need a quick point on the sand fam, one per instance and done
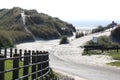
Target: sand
(70, 52)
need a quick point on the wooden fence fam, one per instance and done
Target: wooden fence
(102, 48)
(35, 63)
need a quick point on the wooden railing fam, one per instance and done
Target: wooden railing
(35, 64)
(102, 48)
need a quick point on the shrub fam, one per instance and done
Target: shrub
(78, 35)
(104, 41)
(116, 33)
(64, 40)
(5, 40)
(98, 29)
(9, 38)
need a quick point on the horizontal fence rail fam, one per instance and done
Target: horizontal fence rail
(102, 48)
(35, 64)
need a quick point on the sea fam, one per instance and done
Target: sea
(91, 24)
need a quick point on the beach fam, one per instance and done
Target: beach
(69, 53)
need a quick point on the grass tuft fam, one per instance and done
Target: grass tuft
(114, 64)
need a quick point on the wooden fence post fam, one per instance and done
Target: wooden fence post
(102, 49)
(16, 65)
(29, 58)
(5, 52)
(39, 59)
(20, 52)
(15, 51)
(0, 50)
(26, 62)
(47, 58)
(117, 50)
(11, 52)
(44, 64)
(34, 66)
(87, 51)
(2, 67)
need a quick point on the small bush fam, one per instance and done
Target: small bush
(64, 40)
(11, 37)
(103, 41)
(98, 29)
(78, 35)
(5, 40)
(116, 33)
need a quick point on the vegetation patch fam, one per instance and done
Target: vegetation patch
(115, 34)
(104, 41)
(8, 65)
(64, 40)
(91, 52)
(78, 35)
(41, 25)
(103, 28)
(114, 64)
(8, 75)
(115, 55)
(10, 37)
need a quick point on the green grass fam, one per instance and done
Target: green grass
(114, 64)
(8, 65)
(115, 55)
(92, 52)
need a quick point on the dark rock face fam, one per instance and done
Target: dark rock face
(40, 24)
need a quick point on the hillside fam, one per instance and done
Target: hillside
(115, 34)
(101, 28)
(36, 26)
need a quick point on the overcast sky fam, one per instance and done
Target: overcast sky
(71, 9)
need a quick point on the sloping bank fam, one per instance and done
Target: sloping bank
(42, 26)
